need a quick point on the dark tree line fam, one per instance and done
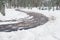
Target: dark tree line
(28, 3)
(24, 3)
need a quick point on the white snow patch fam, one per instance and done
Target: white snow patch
(48, 31)
(12, 14)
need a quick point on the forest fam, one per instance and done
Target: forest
(28, 3)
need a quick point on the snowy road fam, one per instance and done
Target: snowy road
(48, 31)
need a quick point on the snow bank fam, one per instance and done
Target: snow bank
(19, 35)
(12, 14)
(48, 31)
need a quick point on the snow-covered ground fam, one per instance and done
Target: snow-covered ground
(48, 31)
(12, 14)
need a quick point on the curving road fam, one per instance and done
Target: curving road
(35, 20)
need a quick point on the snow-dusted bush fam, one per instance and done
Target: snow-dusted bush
(52, 18)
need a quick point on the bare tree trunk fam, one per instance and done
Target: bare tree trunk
(3, 10)
(57, 7)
